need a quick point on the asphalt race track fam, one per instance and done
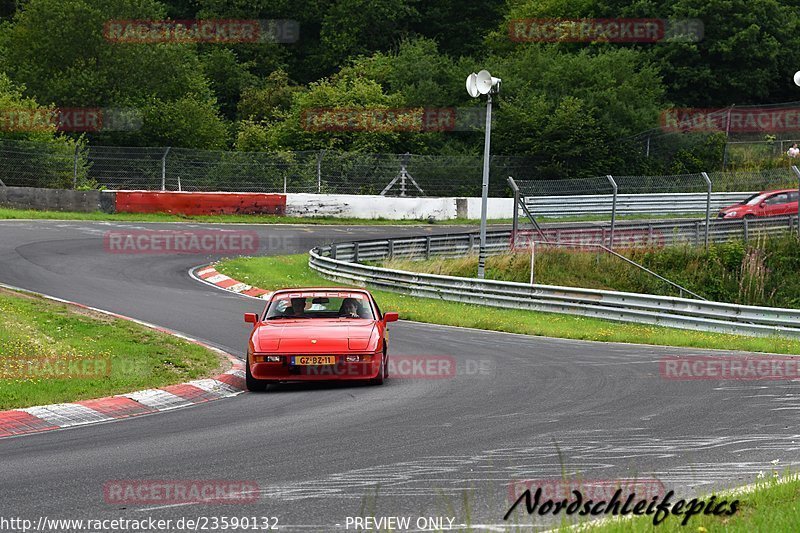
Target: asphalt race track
(539, 408)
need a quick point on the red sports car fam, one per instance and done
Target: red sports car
(763, 204)
(318, 334)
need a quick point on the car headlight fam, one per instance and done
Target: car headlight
(730, 214)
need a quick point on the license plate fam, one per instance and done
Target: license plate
(306, 360)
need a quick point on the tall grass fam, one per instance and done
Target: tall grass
(762, 272)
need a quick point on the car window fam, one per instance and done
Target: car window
(793, 196)
(309, 305)
(777, 199)
(752, 200)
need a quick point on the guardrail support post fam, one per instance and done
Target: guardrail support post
(390, 249)
(797, 173)
(164, 169)
(333, 251)
(746, 230)
(613, 210)
(427, 247)
(355, 252)
(708, 205)
(471, 242)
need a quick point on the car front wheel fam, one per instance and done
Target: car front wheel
(382, 375)
(253, 384)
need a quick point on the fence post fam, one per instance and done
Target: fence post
(320, 154)
(797, 173)
(75, 168)
(515, 219)
(164, 169)
(708, 204)
(746, 230)
(613, 210)
(284, 183)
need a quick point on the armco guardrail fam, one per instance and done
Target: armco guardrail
(631, 204)
(627, 234)
(340, 262)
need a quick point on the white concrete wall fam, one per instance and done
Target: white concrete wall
(390, 207)
(496, 208)
(364, 206)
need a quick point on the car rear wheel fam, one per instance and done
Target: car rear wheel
(253, 384)
(749, 216)
(381, 377)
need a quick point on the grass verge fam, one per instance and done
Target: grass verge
(41, 342)
(6, 213)
(293, 271)
(760, 272)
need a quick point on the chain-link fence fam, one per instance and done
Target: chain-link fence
(66, 164)
(703, 196)
(29, 164)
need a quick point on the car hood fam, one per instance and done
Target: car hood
(322, 336)
(733, 208)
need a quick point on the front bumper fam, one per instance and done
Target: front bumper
(341, 370)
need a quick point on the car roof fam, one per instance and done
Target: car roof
(321, 289)
(776, 191)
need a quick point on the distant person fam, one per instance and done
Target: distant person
(794, 151)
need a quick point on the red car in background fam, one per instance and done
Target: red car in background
(318, 334)
(764, 204)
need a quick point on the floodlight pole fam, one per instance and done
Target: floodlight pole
(485, 188)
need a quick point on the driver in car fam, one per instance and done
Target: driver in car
(298, 307)
(350, 308)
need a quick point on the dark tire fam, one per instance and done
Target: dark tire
(749, 217)
(381, 377)
(253, 384)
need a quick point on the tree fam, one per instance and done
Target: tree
(58, 49)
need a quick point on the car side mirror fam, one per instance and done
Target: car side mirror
(391, 317)
(251, 318)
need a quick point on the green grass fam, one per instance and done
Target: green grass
(6, 213)
(293, 271)
(37, 330)
(771, 507)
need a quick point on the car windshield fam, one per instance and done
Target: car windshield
(308, 305)
(752, 200)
